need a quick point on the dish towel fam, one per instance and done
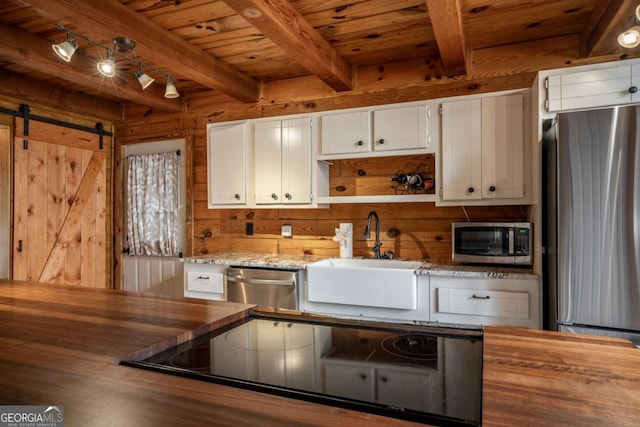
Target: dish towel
(344, 236)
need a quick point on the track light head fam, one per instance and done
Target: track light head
(107, 67)
(171, 91)
(144, 79)
(66, 49)
(630, 38)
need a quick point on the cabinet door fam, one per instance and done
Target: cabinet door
(268, 162)
(400, 128)
(502, 147)
(296, 161)
(414, 388)
(344, 133)
(226, 164)
(593, 88)
(355, 381)
(461, 150)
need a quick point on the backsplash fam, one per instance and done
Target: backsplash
(418, 230)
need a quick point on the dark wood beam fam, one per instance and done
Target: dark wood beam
(446, 22)
(284, 26)
(33, 52)
(27, 90)
(608, 19)
(107, 19)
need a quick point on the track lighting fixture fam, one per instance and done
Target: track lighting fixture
(170, 90)
(107, 67)
(66, 49)
(631, 37)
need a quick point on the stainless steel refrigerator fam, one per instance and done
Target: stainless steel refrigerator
(591, 184)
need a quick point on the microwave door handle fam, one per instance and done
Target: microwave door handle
(511, 238)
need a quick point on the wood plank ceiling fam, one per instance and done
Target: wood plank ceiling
(234, 46)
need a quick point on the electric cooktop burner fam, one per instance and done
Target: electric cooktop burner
(430, 375)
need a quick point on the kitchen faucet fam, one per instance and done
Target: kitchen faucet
(378, 243)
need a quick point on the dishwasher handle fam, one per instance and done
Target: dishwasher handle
(231, 278)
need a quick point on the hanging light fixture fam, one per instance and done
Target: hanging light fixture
(144, 79)
(107, 67)
(66, 49)
(170, 90)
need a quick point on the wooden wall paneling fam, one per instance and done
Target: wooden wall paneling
(20, 209)
(75, 168)
(6, 144)
(37, 209)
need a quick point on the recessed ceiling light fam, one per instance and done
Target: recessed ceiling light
(252, 13)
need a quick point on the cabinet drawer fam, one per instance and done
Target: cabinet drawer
(477, 302)
(202, 281)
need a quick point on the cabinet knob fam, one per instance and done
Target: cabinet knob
(360, 143)
(274, 196)
(384, 379)
(236, 196)
(492, 188)
(362, 376)
(288, 196)
(633, 89)
(381, 141)
(471, 189)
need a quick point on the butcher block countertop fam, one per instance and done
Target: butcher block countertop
(60, 345)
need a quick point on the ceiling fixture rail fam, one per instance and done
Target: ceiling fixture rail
(107, 67)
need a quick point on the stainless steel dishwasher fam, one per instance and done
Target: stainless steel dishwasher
(264, 287)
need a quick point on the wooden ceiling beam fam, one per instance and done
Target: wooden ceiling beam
(446, 21)
(107, 19)
(608, 19)
(26, 90)
(284, 26)
(33, 52)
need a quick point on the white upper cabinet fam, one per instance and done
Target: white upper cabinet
(382, 131)
(482, 149)
(227, 164)
(344, 133)
(282, 172)
(401, 128)
(596, 87)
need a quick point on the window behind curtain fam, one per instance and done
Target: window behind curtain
(152, 204)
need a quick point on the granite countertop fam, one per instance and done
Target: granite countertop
(298, 262)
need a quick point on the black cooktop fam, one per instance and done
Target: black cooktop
(430, 375)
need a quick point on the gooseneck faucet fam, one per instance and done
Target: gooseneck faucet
(367, 233)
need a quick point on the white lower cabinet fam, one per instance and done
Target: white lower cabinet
(485, 301)
(351, 380)
(205, 281)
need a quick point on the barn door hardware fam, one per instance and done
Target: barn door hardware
(19, 249)
(25, 110)
(25, 113)
(100, 129)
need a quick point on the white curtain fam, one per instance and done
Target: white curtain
(152, 204)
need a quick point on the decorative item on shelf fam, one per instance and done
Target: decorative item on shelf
(107, 66)
(344, 236)
(413, 179)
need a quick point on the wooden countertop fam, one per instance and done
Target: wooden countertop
(59, 345)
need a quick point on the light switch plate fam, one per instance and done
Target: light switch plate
(286, 230)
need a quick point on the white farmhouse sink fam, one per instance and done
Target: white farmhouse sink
(364, 282)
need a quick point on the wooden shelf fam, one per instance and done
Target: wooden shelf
(378, 199)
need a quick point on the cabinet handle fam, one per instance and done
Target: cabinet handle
(471, 189)
(360, 143)
(362, 376)
(236, 196)
(474, 296)
(492, 188)
(203, 277)
(19, 246)
(274, 196)
(288, 196)
(633, 89)
(381, 141)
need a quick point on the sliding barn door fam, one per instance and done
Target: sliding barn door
(60, 206)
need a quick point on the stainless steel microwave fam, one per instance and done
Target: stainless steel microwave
(492, 242)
